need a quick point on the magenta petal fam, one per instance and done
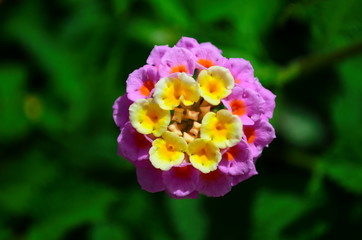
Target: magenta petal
(209, 53)
(181, 181)
(177, 59)
(239, 178)
(259, 136)
(120, 110)
(250, 99)
(192, 195)
(141, 82)
(269, 100)
(132, 145)
(265, 133)
(241, 70)
(214, 184)
(237, 160)
(210, 45)
(156, 55)
(187, 42)
(150, 178)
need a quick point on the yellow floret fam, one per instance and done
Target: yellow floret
(147, 117)
(167, 151)
(215, 84)
(204, 155)
(222, 128)
(171, 91)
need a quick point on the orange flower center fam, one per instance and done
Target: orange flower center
(146, 88)
(180, 68)
(238, 107)
(249, 133)
(206, 63)
(230, 154)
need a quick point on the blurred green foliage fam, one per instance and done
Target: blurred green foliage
(63, 63)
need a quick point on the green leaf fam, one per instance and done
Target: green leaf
(213, 10)
(120, 6)
(135, 206)
(60, 64)
(5, 233)
(253, 19)
(109, 231)
(333, 23)
(346, 173)
(344, 166)
(151, 33)
(172, 11)
(343, 162)
(70, 203)
(22, 181)
(272, 212)
(13, 122)
(188, 218)
(347, 111)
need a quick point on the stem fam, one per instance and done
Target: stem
(309, 64)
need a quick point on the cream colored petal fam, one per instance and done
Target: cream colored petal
(222, 128)
(204, 155)
(148, 118)
(215, 83)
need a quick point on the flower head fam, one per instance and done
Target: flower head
(171, 91)
(193, 121)
(215, 83)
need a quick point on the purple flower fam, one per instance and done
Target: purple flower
(120, 110)
(141, 82)
(181, 181)
(245, 103)
(177, 60)
(192, 121)
(258, 136)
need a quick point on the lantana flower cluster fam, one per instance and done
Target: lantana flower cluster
(193, 121)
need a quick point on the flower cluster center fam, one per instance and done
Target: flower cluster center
(186, 120)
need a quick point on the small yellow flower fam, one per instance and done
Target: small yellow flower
(167, 151)
(215, 83)
(147, 117)
(204, 155)
(171, 91)
(222, 128)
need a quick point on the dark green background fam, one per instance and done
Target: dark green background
(63, 63)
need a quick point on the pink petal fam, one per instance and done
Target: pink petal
(141, 82)
(177, 59)
(181, 181)
(259, 136)
(214, 184)
(187, 42)
(241, 70)
(246, 103)
(120, 110)
(239, 178)
(207, 55)
(150, 178)
(132, 145)
(210, 45)
(269, 100)
(192, 195)
(237, 160)
(157, 54)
